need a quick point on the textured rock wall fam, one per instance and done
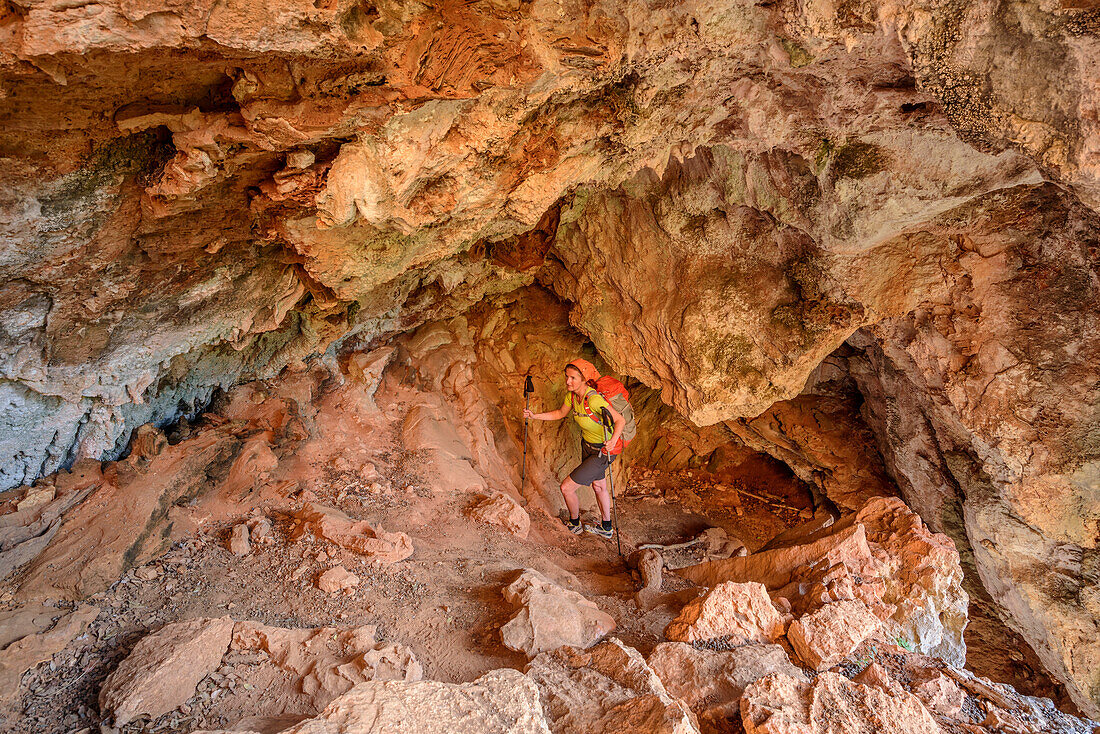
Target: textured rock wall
(198, 193)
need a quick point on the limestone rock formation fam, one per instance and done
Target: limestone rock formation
(830, 634)
(608, 688)
(737, 612)
(499, 702)
(905, 574)
(549, 617)
(721, 198)
(161, 672)
(711, 682)
(780, 704)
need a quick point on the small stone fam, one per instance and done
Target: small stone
(147, 573)
(337, 579)
(260, 530)
(300, 159)
(238, 541)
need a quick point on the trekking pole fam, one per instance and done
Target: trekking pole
(528, 388)
(605, 415)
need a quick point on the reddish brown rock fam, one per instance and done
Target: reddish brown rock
(775, 568)
(942, 696)
(38, 638)
(825, 637)
(550, 617)
(121, 522)
(740, 612)
(162, 670)
(907, 575)
(500, 509)
(355, 535)
(314, 665)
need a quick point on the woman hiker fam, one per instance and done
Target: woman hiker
(586, 406)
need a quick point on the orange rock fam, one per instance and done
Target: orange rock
(33, 643)
(741, 612)
(608, 688)
(942, 696)
(324, 662)
(163, 669)
(710, 682)
(883, 555)
(775, 568)
(825, 637)
(238, 540)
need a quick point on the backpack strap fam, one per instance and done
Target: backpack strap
(587, 410)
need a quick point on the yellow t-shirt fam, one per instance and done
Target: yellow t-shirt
(591, 430)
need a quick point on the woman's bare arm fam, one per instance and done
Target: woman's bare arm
(550, 415)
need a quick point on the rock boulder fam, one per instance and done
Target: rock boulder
(549, 617)
(163, 669)
(738, 612)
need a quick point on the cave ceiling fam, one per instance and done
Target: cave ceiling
(723, 194)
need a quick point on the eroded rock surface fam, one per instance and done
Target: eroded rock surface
(711, 682)
(882, 556)
(780, 704)
(608, 688)
(911, 187)
(161, 672)
(355, 535)
(737, 612)
(549, 617)
(499, 702)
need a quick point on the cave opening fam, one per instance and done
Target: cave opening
(274, 277)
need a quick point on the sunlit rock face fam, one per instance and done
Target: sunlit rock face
(721, 195)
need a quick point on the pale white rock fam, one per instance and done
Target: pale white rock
(500, 702)
(608, 688)
(550, 617)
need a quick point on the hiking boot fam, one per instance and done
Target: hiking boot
(576, 528)
(599, 530)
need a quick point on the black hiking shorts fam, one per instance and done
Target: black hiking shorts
(593, 465)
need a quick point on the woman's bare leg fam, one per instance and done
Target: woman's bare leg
(569, 494)
(603, 498)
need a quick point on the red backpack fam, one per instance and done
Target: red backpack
(615, 393)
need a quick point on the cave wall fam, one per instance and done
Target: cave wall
(723, 194)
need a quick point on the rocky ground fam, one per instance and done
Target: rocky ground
(320, 551)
